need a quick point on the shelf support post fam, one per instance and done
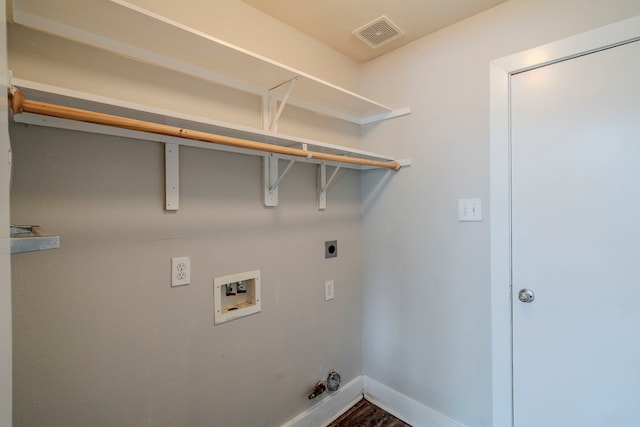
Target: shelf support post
(272, 180)
(171, 176)
(266, 109)
(322, 183)
(270, 175)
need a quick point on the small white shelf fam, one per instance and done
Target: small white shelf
(31, 238)
(128, 30)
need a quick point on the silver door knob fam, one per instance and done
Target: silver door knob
(526, 295)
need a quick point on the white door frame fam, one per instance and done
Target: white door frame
(500, 156)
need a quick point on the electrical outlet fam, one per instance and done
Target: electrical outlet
(329, 293)
(180, 271)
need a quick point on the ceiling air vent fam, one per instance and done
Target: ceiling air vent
(378, 32)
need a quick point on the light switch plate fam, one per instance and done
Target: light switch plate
(469, 210)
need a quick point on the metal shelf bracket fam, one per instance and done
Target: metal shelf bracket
(275, 184)
(171, 176)
(323, 184)
(274, 118)
(272, 179)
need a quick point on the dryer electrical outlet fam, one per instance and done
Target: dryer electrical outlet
(331, 249)
(236, 295)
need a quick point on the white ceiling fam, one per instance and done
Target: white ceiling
(333, 21)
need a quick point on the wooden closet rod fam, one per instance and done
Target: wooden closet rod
(19, 105)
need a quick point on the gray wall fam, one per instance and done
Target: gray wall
(100, 337)
(426, 306)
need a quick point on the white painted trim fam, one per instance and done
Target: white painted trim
(333, 405)
(6, 349)
(501, 72)
(403, 407)
(501, 366)
(330, 406)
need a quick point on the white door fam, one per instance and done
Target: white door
(576, 241)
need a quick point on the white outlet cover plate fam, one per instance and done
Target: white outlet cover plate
(180, 271)
(329, 290)
(469, 209)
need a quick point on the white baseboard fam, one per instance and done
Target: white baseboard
(330, 405)
(403, 407)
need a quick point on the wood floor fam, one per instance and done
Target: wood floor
(366, 414)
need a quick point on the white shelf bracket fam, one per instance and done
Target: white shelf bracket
(270, 174)
(323, 184)
(171, 176)
(333, 175)
(272, 180)
(273, 126)
(274, 186)
(266, 110)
